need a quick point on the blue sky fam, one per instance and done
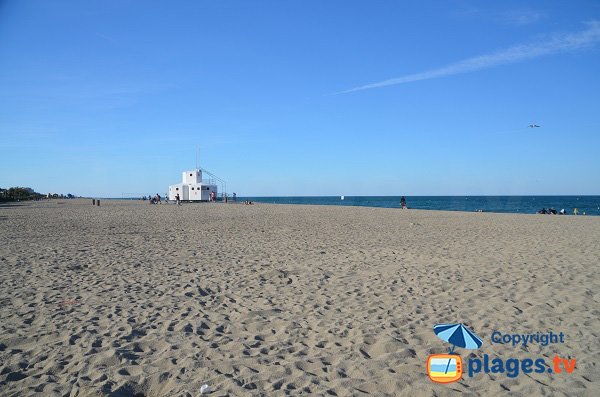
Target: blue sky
(301, 97)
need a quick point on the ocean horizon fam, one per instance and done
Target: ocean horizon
(590, 205)
(585, 204)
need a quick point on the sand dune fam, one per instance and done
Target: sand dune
(129, 298)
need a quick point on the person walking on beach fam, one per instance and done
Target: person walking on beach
(158, 198)
(234, 197)
(403, 202)
(177, 199)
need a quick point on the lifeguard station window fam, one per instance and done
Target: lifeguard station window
(176, 188)
(190, 174)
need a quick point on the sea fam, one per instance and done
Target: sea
(586, 205)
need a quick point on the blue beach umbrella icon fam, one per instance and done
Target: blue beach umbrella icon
(457, 335)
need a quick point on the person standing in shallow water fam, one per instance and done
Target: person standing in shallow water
(403, 202)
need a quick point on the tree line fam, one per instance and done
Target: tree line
(27, 193)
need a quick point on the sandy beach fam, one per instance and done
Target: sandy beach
(131, 299)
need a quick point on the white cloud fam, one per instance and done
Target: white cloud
(554, 44)
(523, 17)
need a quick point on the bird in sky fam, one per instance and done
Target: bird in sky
(534, 126)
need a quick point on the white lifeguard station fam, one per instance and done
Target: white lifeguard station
(193, 187)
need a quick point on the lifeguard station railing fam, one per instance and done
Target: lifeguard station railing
(214, 180)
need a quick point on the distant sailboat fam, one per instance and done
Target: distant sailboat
(341, 197)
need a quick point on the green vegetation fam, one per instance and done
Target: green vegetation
(19, 194)
(27, 193)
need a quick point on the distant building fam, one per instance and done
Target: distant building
(192, 187)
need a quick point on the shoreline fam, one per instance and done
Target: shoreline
(241, 199)
(83, 201)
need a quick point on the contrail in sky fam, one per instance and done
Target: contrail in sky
(553, 45)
